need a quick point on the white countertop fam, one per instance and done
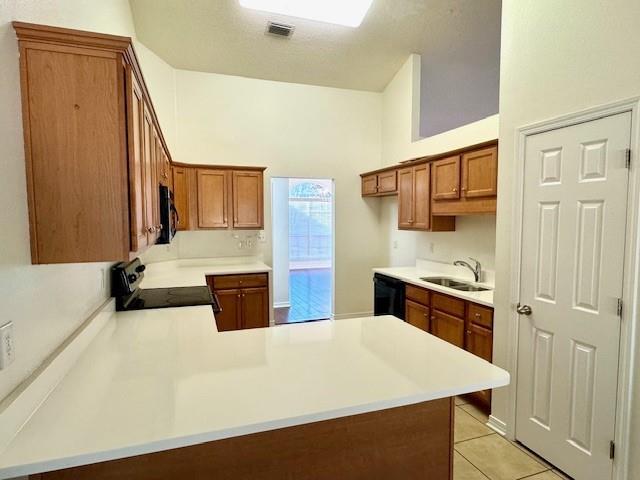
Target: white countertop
(159, 379)
(412, 275)
(193, 272)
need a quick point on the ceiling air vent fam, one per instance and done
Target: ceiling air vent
(280, 29)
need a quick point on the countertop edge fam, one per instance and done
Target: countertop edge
(432, 286)
(198, 438)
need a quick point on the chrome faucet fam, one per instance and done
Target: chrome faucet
(477, 270)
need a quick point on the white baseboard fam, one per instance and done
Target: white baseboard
(343, 316)
(497, 425)
(281, 304)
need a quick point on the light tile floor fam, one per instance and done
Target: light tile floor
(482, 454)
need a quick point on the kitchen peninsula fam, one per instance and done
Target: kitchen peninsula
(163, 394)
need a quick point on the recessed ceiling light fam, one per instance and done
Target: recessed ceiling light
(342, 12)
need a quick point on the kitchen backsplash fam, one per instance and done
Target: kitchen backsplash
(207, 244)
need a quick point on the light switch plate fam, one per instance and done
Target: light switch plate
(7, 347)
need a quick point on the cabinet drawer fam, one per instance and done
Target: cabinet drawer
(417, 294)
(480, 315)
(222, 282)
(447, 304)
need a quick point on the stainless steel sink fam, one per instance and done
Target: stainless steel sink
(455, 284)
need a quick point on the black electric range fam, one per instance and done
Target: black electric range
(125, 286)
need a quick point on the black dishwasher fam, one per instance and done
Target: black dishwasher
(388, 296)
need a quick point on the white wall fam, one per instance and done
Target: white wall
(474, 236)
(296, 131)
(46, 303)
(557, 58)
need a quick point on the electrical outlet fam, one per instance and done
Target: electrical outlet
(7, 348)
(261, 237)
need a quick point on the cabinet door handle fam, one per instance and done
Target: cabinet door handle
(432, 317)
(455, 190)
(151, 229)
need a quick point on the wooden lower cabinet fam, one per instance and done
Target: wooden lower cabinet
(447, 327)
(464, 324)
(229, 318)
(417, 315)
(244, 300)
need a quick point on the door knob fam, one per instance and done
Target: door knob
(524, 309)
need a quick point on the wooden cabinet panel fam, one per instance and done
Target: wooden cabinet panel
(213, 198)
(137, 199)
(421, 197)
(387, 182)
(480, 315)
(479, 341)
(446, 178)
(447, 304)
(255, 307)
(369, 185)
(405, 198)
(148, 158)
(230, 316)
(418, 315)
(417, 294)
(75, 134)
(448, 327)
(182, 197)
(480, 173)
(248, 199)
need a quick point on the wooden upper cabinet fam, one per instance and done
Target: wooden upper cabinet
(369, 185)
(248, 209)
(213, 198)
(405, 198)
(446, 178)
(480, 173)
(148, 158)
(387, 182)
(421, 197)
(91, 136)
(182, 197)
(75, 130)
(137, 201)
(414, 201)
(380, 184)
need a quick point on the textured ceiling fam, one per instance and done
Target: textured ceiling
(220, 36)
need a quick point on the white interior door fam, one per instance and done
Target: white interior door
(573, 240)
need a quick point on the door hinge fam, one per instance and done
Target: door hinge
(612, 449)
(628, 158)
(619, 310)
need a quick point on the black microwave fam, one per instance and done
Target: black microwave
(169, 218)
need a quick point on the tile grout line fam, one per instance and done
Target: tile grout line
(473, 465)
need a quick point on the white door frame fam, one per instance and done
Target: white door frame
(631, 286)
